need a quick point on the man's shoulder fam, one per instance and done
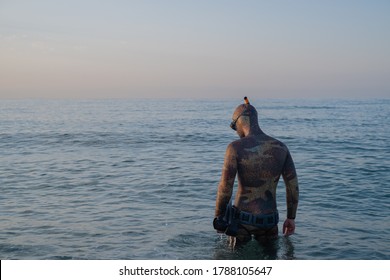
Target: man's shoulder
(276, 142)
(250, 141)
(234, 144)
(279, 144)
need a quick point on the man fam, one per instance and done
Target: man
(259, 160)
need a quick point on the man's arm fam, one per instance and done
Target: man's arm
(292, 194)
(225, 187)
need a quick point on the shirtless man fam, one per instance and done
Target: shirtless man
(259, 160)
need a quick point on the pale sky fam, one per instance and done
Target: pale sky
(194, 48)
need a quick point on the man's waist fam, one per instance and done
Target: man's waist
(258, 220)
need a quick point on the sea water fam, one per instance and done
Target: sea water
(137, 179)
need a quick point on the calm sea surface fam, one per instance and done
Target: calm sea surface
(136, 179)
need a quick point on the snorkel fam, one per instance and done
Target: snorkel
(233, 123)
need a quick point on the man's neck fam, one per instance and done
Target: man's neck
(253, 131)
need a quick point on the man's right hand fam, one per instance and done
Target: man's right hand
(288, 227)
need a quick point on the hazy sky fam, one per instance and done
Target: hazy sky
(213, 48)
